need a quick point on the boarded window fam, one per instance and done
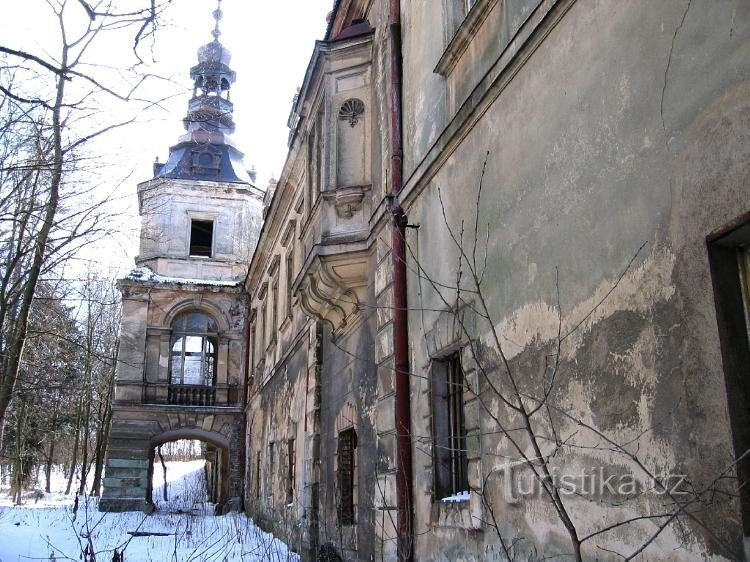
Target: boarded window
(201, 238)
(346, 468)
(449, 433)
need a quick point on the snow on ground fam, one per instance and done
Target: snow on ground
(47, 529)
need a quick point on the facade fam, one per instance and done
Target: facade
(575, 355)
(182, 363)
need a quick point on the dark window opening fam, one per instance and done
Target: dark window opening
(257, 476)
(201, 238)
(346, 468)
(289, 282)
(449, 433)
(274, 311)
(729, 257)
(290, 475)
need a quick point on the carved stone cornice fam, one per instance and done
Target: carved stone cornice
(333, 286)
(347, 200)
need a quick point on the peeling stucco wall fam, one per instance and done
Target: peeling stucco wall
(625, 129)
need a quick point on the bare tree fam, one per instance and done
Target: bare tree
(49, 114)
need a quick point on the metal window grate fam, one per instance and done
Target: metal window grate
(346, 467)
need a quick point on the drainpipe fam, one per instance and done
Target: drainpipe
(400, 319)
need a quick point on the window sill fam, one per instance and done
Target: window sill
(463, 36)
(460, 497)
(465, 513)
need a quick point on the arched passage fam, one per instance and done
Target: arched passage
(216, 454)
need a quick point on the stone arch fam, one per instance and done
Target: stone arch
(198, 304)
(218, 474)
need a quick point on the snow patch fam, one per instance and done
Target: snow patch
(458, 497)
(144, 273)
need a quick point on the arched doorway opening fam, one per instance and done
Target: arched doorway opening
(188, 472)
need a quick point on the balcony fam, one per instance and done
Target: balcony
(220, 395)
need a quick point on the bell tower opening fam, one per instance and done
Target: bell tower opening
(201, 238)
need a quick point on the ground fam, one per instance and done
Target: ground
(46, 529)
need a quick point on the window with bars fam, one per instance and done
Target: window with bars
(449, 433)
(271, 469)
(257, 475)
(291, 469)
(346, 468)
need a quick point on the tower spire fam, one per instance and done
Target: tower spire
(206, 151)
(218, 14)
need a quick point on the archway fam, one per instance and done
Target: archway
(203, 481)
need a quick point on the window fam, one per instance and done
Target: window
(449, 433)
(201, 237)
(290, 471)
(729, 256)
(193, 343)
(274, 310)
(346, 468)
(262, 330)
(251, 358)
(312, 142)
(289, 281)
(257, 475)
(462, 18)
(318, 157)
(271, 469)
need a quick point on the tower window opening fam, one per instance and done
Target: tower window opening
(201, 237)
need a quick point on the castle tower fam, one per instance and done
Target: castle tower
(181, 371)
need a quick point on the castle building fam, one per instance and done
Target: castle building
(182, 363)
(498, 309)
(498, 304)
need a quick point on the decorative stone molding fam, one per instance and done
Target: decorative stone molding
(351, 110)
(333, 286)
(347, 417)
(347, 200)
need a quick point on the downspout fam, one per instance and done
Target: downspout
(400, 319)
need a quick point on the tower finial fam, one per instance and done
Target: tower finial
(217, 16)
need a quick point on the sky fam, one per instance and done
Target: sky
(271, 44)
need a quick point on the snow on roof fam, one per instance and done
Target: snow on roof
(144, 273)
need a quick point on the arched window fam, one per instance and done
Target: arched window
(194, 343)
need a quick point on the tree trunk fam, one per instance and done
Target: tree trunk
(48, 466)
(74, 457)
(102, 438)
(164, 469)
(11, 364)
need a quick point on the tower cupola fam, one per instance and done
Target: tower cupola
(206, 150)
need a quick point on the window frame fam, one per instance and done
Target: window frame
(291, 470)
(208, 361)
(450, 458)
(203, 253)
(346, 468)
(729, 260)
